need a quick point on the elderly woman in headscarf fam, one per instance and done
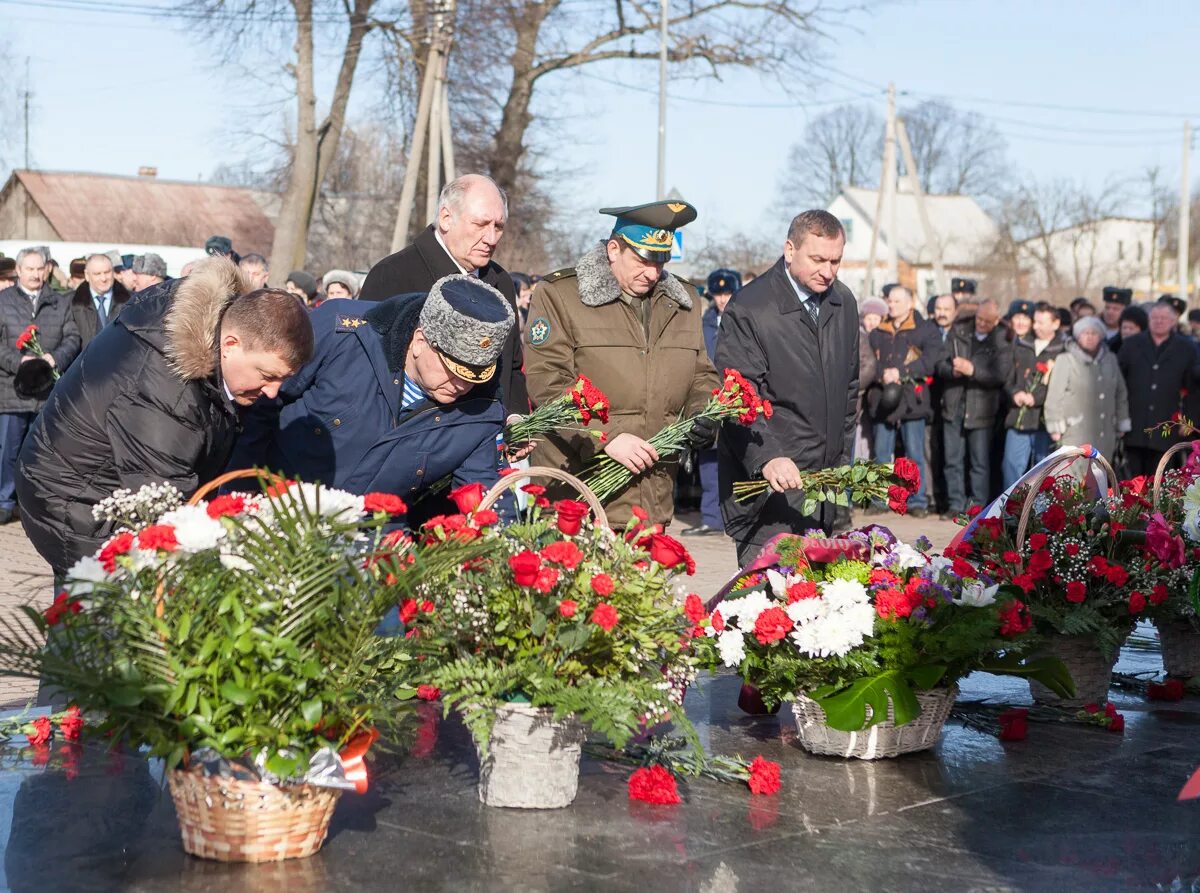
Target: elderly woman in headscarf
(1086, 399)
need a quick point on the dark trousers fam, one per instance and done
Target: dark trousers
(710, 497)
(912, 433)
(13, 428)
(935, 462)
(959, 444)
(1142, 460)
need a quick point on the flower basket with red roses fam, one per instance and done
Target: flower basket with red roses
(233, 638)
(736, 399)
(860, 483)
(868, 636)
(545, 627)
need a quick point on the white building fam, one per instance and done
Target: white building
(966, 233)
(1081, 260)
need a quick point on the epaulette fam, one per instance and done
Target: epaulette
(559, 274)
(350, 323)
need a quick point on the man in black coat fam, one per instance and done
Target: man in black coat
(972, 372)
(793, 332)
(1026, 441)
(152, 400)
(470, 222)
(98, 299)
(1160, 366)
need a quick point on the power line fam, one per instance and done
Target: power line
(112, 7)
(723, 103)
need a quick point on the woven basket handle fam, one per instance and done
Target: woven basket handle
(1064, 462)
(509, 482)
(1161, 471)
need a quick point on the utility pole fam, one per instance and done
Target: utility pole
(885, 201)
(432, 125)
(663, 12)
(26, 113)
(914, 181)
(1185, 209)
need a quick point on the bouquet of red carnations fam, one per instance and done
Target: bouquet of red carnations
(859, 483)
(578, 406)
(27, 342)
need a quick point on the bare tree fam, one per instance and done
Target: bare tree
(840, 148)
(736, 250)
(956, 152)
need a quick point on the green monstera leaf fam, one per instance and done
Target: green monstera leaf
(846, 709)
(1049, 671)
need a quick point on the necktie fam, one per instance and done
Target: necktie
(813, 306)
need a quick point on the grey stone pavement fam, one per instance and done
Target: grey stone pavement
(1072, 808)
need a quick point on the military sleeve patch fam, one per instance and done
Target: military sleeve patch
(539, 331)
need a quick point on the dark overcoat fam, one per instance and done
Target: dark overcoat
(973, 401)
(57, 333)
(1023, 375)
(424, 262)
(913, 346)
(1158, 379)
(87, 317)
(809, 372)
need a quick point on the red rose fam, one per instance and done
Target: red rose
(570, 516)
(1137, 603)
(384, 503)
(547, 577)
(1037, 541)
(428, 692)
(525, 567)
(408, 610)
(772, 625)
(653, 784)
(602, 585)
(158, 538)
(693, 607)
(897, 499)
(63, 605)
(71, 724)
(1013, 724)
(567, 608)
(41, 730)
(563, 552)
(1170, 690)
(1116, 723)
(467, 497)
(802, 590)
(605, 616)
(1054, 519)
(227, 505)
(908, 472)
(764, 776)
(1076, 591)
(669, 552)
(484, 518)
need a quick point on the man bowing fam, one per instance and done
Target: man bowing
(793, 332)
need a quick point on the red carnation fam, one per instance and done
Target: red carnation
(158, 538)
(1054, 519)
(226, 506)
(1137, 603)
(764, 776)
(547, 577)
(525, 566)
(640, 513)
(484, 518)
(118, 545)
(693, 607)
(1168, 690)
(772, 625)
(41, 731)
(1037, 541)
(669, 552)
(718, 621)
(1116, 723)
(534, 490)
(71, 724)
(570, 515)
(1013, 724)
(1117, 575)
(408, 610)
(802, 590)
(1076, 591)
(278, 488)
(1014, 618)
(1159, 594)
(602, 585)
(563, 552)
(428, 692)
(567, 608)
(653, 784)
(1040, 562)
(384, 503)
(605, 616)
(63, 605)
(467, 497)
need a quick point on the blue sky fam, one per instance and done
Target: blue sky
(112, 92)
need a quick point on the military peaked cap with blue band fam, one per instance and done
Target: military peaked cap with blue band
(724, 282)
(466, 321)
(650, 229)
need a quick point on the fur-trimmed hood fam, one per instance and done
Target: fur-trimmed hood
(194, 319)
(598, 286)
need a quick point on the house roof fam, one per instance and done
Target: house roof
(146, 211)
(964, 229)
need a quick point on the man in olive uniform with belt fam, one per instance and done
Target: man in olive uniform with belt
(635, 331)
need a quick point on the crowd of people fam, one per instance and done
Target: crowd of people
(407, 376)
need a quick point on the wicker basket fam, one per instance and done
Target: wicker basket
(1180, 647)
(1090, 669)
(880, 741)
(532, 760)
(243, 821)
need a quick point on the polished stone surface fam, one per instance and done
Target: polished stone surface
(1070, 808)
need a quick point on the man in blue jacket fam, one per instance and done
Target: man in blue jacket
(399, 395)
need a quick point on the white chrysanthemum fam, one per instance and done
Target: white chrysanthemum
(841, 594)
(906, 556)
(140, 559)
(835, 632)
(330, 503)
(195, 531)
(84, 574)
(747, 608)
(1191, 512)
(976, 595)
(805, 610)
(732, 646)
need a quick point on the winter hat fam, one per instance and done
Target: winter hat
(306, 282)
(345, 277)
(873, 305)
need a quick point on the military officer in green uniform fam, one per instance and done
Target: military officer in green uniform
(635, 331)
